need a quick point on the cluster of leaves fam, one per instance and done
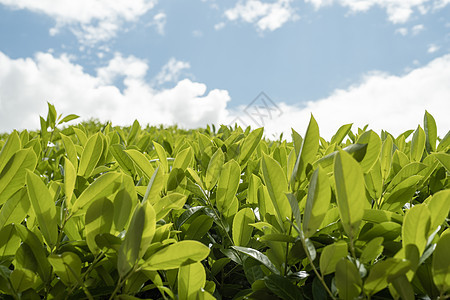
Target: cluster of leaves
(100, 212)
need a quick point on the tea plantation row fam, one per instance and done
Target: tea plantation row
(93, 211)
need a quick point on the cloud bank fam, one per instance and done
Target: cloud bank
(91, 21)
(384, 101)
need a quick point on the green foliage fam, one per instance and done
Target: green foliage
(92, 211)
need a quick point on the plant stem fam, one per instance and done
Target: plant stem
(302, 238)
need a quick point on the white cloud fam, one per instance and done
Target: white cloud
(159, 20)
(398, 11)
(384, 101)
(392, 103)
(402, 31)
(91, 21)
(26, 85)
(265, 16)
(171, 71)
(417, 29)
(433, 48)
(219, 26)
(129, 68)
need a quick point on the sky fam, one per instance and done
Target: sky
(268, 63)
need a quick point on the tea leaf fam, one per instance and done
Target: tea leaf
(44, 208)
(317, 203)
(350, 192)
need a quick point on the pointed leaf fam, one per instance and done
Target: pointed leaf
(44, 208)
(176, 255)
(350, 192)
(330, 256)
(317, 202)
(191, 279)
(242, 231)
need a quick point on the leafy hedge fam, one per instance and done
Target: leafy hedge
(93, 211)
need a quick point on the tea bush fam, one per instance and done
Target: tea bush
(92, 211)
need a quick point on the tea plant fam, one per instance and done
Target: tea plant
(93, 211)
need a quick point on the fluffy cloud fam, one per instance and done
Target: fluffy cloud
(26, 84)
(265, 16)
(90, 20)
(393, 103)
(398, 11)
(384, 101)
(171, 71)
(159, 20)
(432, 48)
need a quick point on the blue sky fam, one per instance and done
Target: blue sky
(381, 62)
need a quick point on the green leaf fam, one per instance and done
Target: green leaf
(141, 162)
(297, 141)
(103, 186)
(12, 176)
(277, 186)
(123, 205)
(70, 178)
(22, 280)
(249, 145)
(129, 250)
(403, 287)
(347, 279)
(372, 250)
(138, 237)
(330, 256)
(444, 159)
(44, 208)
(307, 153)
(262, 258)
(67, 267)
(214, 168)
(388, 230)
(444, 143)
(283, 287)
(51, 116)
(176, 255)
(155, 185)
(198, 228)
(439, 206)
(183, 159)
(373, 180)
(68, 118)
(417, 144)
(91, 155)
(191, 279)
(386, 157)
(340, 134)
(15, 209)
(9, 241)
(162, 156)
(383, 273)
(429, 124)
(317, 202)
(71, 152)
(11, 146)
(122, 158)
(350, 192)
(227, 185)
(134, 131)
(441, 264)
(173, 201)
(373, 150)
(37, 253)
(98, 219)
(242, 231)
(416, 226)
